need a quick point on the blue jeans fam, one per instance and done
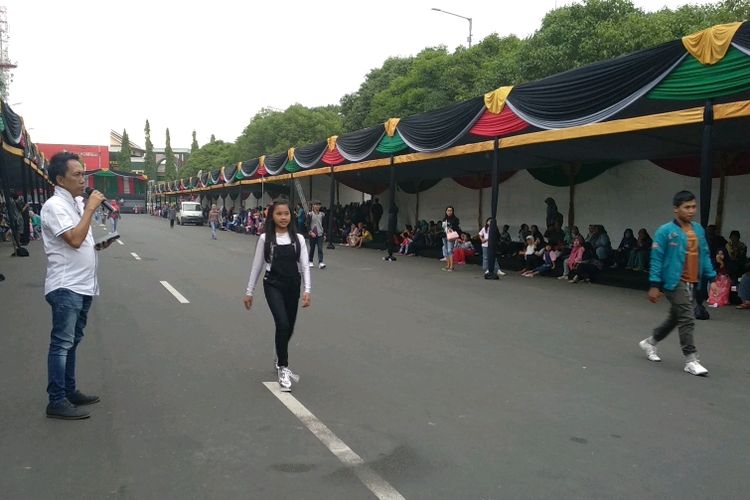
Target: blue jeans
(213, 229)
(69, 314)
(319, 243)
(447, 247)
(486, 258)
(114, 225)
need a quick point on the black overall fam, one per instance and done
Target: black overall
(282, 287)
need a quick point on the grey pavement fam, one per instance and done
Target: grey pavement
(448, 386)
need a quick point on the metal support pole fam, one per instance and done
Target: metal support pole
(706, 162)
(493, 236)
(331, 202)
(291, 192)
(392, 213)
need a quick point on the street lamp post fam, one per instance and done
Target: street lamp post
(457, 15)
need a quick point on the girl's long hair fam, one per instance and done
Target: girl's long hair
(269, 229)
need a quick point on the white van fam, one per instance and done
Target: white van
(190, 212)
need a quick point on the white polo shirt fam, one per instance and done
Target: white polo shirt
(67, 267)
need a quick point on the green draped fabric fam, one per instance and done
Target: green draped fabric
(106, 183)
(390, 145)
(413, 187)
(291, 166)
(238, 176)
(694, 81)
(559, 175)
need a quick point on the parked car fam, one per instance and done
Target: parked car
(190, 212)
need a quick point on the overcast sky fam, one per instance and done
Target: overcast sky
(85, 67)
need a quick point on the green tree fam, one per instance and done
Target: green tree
(170, 161)
(194, 146)
(149, 161)
(273, 131)
(123, 159)
(211, 156)
(355, 107)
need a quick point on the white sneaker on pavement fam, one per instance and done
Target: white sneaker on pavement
(322, 265)
(695, 368)
(285, 381)
(312, 265)
(651, 351)
(500, 272)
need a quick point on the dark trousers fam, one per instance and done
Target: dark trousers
(171, 222)
(318, 241)
(681, 304)
(283, 300)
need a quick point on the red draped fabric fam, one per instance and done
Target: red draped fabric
(90, 182)
(498, 125)
(119, 185)
(261, 172)
(691, 166)
(482, 181)
(332, 157)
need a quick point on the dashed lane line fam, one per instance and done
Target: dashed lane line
(135, 256)
(376, 484)
(181, 298)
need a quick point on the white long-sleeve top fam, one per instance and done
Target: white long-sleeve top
(259, 261)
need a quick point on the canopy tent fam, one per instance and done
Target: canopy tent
(22, 169)
(117, 184)
(648, 104)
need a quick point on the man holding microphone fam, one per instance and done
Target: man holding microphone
(71, 281)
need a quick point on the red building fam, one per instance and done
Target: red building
(93, 157)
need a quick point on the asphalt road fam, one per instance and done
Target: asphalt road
(446, 385)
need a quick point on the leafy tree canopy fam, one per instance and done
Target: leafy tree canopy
(273, 131)
(210, 156)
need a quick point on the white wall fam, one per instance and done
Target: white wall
(633, 194)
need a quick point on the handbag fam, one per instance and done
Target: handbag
(451, 235)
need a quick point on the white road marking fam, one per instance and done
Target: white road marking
(376, 484)
(120, 242)
(135, 256)
(181, 298)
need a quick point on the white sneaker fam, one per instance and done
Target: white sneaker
(322, 265)
(500, 272)
(312, 265)
(651, 351)
(695, 368)
(285, 381)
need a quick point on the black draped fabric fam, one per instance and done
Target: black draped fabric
(204, 178)
(229, 172)
(275, 162)
(358, 145)
(250, 167)
(439, 129)
(742, 36)
(216, 176)
(581, 95)
(308, 156)
(13, 125)
(412, 187)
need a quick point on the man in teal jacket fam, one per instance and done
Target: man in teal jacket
(680, 259)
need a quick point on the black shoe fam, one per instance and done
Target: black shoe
(80, 399)
(66, 411)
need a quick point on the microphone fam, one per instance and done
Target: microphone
(105, 203)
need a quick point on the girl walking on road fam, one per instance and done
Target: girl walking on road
(282, 252)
